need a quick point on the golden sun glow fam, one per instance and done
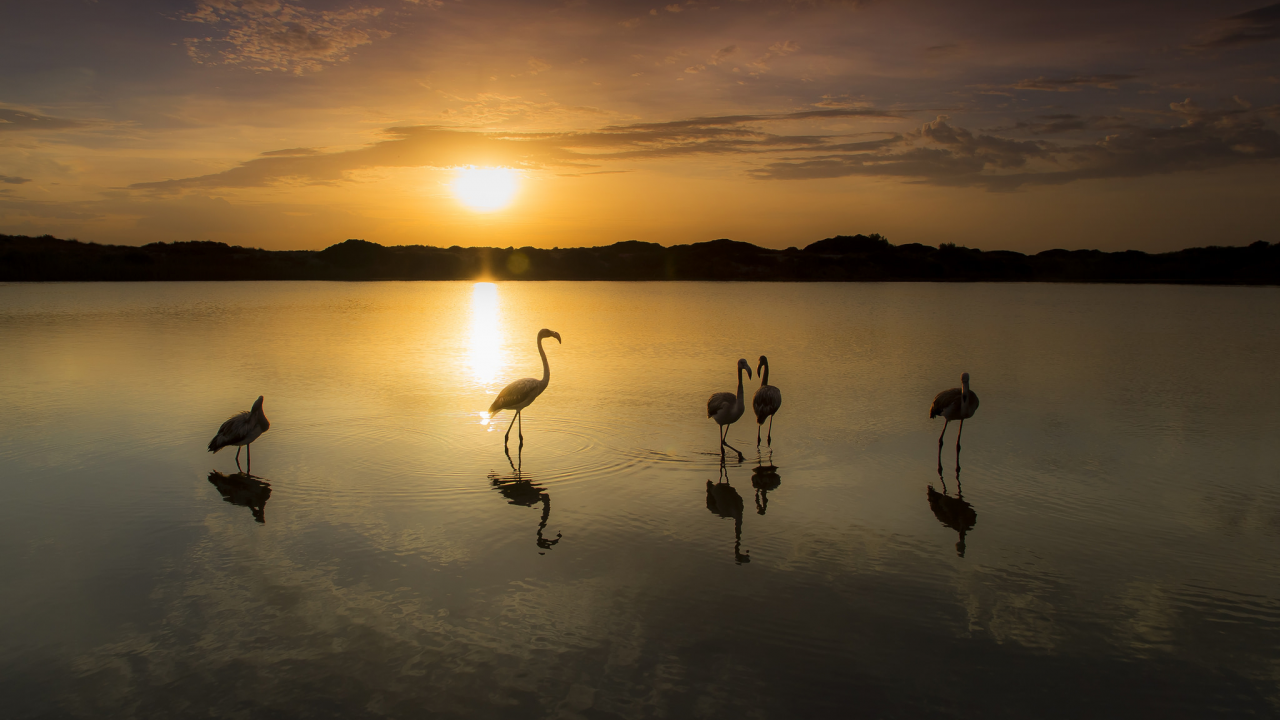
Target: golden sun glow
(486, 189)
(484, 351)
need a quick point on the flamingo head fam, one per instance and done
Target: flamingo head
(764, 361)
(257, 405)
(964, 379)
(545, 333)
(742, 365)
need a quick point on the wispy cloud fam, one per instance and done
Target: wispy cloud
(11, 180)
(1255, 26)
(11, 120)
(941, 154)
(270, 35)
(434, 146)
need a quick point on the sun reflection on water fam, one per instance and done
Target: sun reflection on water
(484, 348)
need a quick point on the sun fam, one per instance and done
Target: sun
(486, 189)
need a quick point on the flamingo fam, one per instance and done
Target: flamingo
(521, 393)
(766, 402)
(954, 404)
(726, 408)
(240, 430)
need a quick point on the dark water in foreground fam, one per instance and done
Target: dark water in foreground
(1120, 511)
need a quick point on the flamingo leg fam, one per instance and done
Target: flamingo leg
(958, 434)
(248, 456)
(758, 426)
(513, 422)
(770, 432)
(720, 430)
(945, 422)
(725, 443)
(520, 429)
(237, 458)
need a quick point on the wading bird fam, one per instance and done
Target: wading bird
(726, 408)
(521, 393)
(766, 402)
(954, 404)
(240, 430)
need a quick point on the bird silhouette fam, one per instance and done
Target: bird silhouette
(243, 490)
(954, 404)
(521, 393)
(240, 430)
(725, 501)
(725, 408)
(766, 402)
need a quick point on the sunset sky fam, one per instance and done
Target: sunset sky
(296, 125)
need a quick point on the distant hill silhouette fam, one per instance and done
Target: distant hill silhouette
(841, 258)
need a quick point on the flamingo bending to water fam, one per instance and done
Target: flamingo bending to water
(521, 393)
(726, 408)
(240, 430)
(766, 402)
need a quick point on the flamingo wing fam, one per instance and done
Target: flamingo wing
(517, 394)
(766, 402)
(944, 399)
(719, 401)
(235, 428)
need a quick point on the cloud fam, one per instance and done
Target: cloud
(1071, 84)
(941, 154)
(11, 120)
(1248, 28)
(435, 146)
(11, 180)
(776, 50)
(291, 152)
(1065, 123)
(270, 35)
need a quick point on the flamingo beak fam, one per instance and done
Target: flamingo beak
(556, 335)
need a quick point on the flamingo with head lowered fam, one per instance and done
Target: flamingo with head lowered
(725, 408)
(241, 430)
(521, 393)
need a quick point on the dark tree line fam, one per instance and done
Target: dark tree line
(841, 258)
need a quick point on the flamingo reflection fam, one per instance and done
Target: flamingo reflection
(244, 490)
(724, 500)
(519, 490)
(764, 478)
(954, 512)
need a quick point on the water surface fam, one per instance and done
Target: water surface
(1110, 546)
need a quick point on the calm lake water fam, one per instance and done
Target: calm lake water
(1120, 520)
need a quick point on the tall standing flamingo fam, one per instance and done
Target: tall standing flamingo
(766, 402)
(726, 408)
(521, 393)
(954, 404)
(240, 430)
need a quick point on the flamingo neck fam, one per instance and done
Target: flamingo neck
(546, 367)
(739, 384)
(764, 374)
